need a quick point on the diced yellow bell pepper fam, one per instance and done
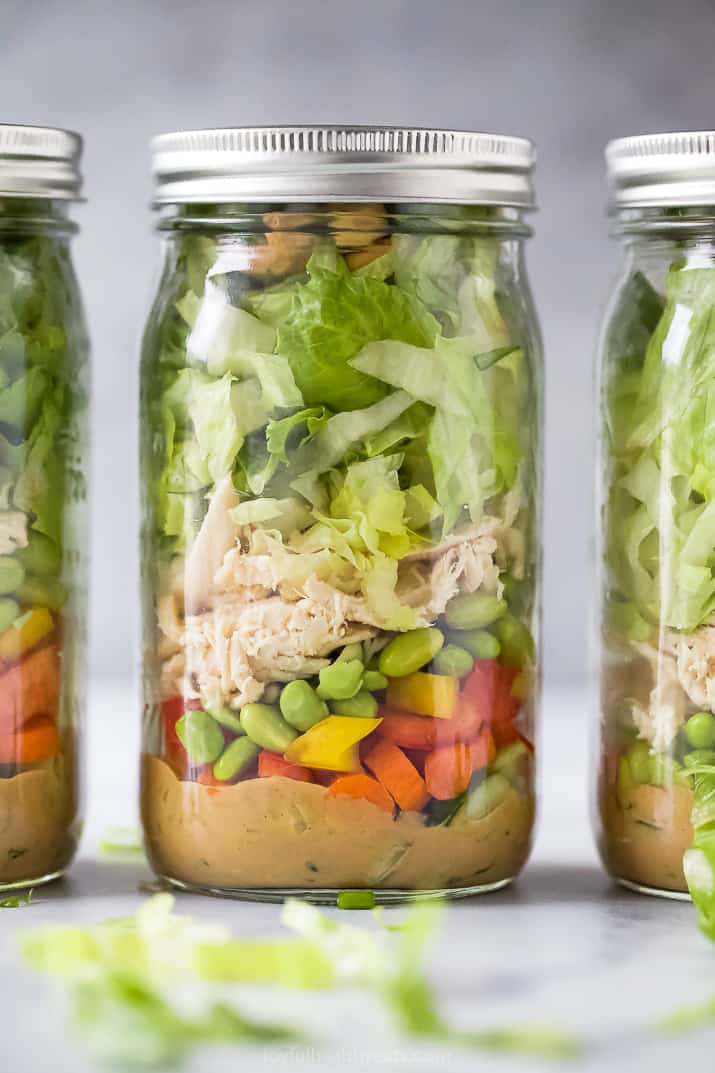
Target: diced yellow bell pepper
(332, 744)
(26, 631)
(424, 694)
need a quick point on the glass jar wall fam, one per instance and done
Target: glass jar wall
(340, 470)
(43, 408)
(657, 555)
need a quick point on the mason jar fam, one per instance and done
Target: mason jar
(340, 421)
(44, 384)
(657, 503)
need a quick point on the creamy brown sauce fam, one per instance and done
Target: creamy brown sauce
(39, 826)
(277, 832)
(646, 830)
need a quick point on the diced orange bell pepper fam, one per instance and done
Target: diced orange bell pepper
(424, 694)
(332, 744)
(26, 632)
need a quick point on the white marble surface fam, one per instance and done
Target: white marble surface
(562, 946)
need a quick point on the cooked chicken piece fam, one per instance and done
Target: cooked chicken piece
(696, 666)
(217, 536)
(667, 706)
(13, 531)
(234, 650)
(264, 627)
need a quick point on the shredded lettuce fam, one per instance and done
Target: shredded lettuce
(661, 428)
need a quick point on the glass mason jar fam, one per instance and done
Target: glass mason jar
(340, 416)
(657, 501)
(44, 387)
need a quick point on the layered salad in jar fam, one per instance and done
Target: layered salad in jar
(42, 488)
(658, 671)
(339, 557)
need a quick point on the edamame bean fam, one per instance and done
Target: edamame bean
(373, 681)
(9, 611)
(513, 762)
(478, 643)
(265, 725)
(201, 736)
(12, 575)
(453, 661)
(639, 762)
(363, 706)
(235, 758)
(517, 644)
(301, 706)
(700, 730)
(409, 652)
(487, 796)
(340, 680)
(36, 592)
(227, 718)
(473, 610)
(41, 556)
(350, 652)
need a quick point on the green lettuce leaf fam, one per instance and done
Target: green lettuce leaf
(332, 317)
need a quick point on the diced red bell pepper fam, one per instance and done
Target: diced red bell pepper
(488, 689)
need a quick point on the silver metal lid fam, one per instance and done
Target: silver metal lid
(662, 169)
(40, 162)
(334, 164)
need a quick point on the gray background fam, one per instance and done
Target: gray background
(570, 74)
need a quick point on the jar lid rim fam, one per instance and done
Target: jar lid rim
(40, 162)
(657, 170)
(342, 163)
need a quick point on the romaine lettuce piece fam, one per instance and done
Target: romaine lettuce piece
(332, 317)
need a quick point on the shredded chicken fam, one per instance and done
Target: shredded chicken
(696, 666)
(217, 536)
(264, 626)
(667, 704)
(13, 531)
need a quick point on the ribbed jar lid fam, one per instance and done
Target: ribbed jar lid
(662, 169)
(41, 162)
(334, 164)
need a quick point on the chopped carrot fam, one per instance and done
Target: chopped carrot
(206, 778)
(361, 787)
(38, 740)
(409, 731)
(488, 688)
(274, 764)
(449, 768)
(398, 775)
(29, 688)
(424, 732)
